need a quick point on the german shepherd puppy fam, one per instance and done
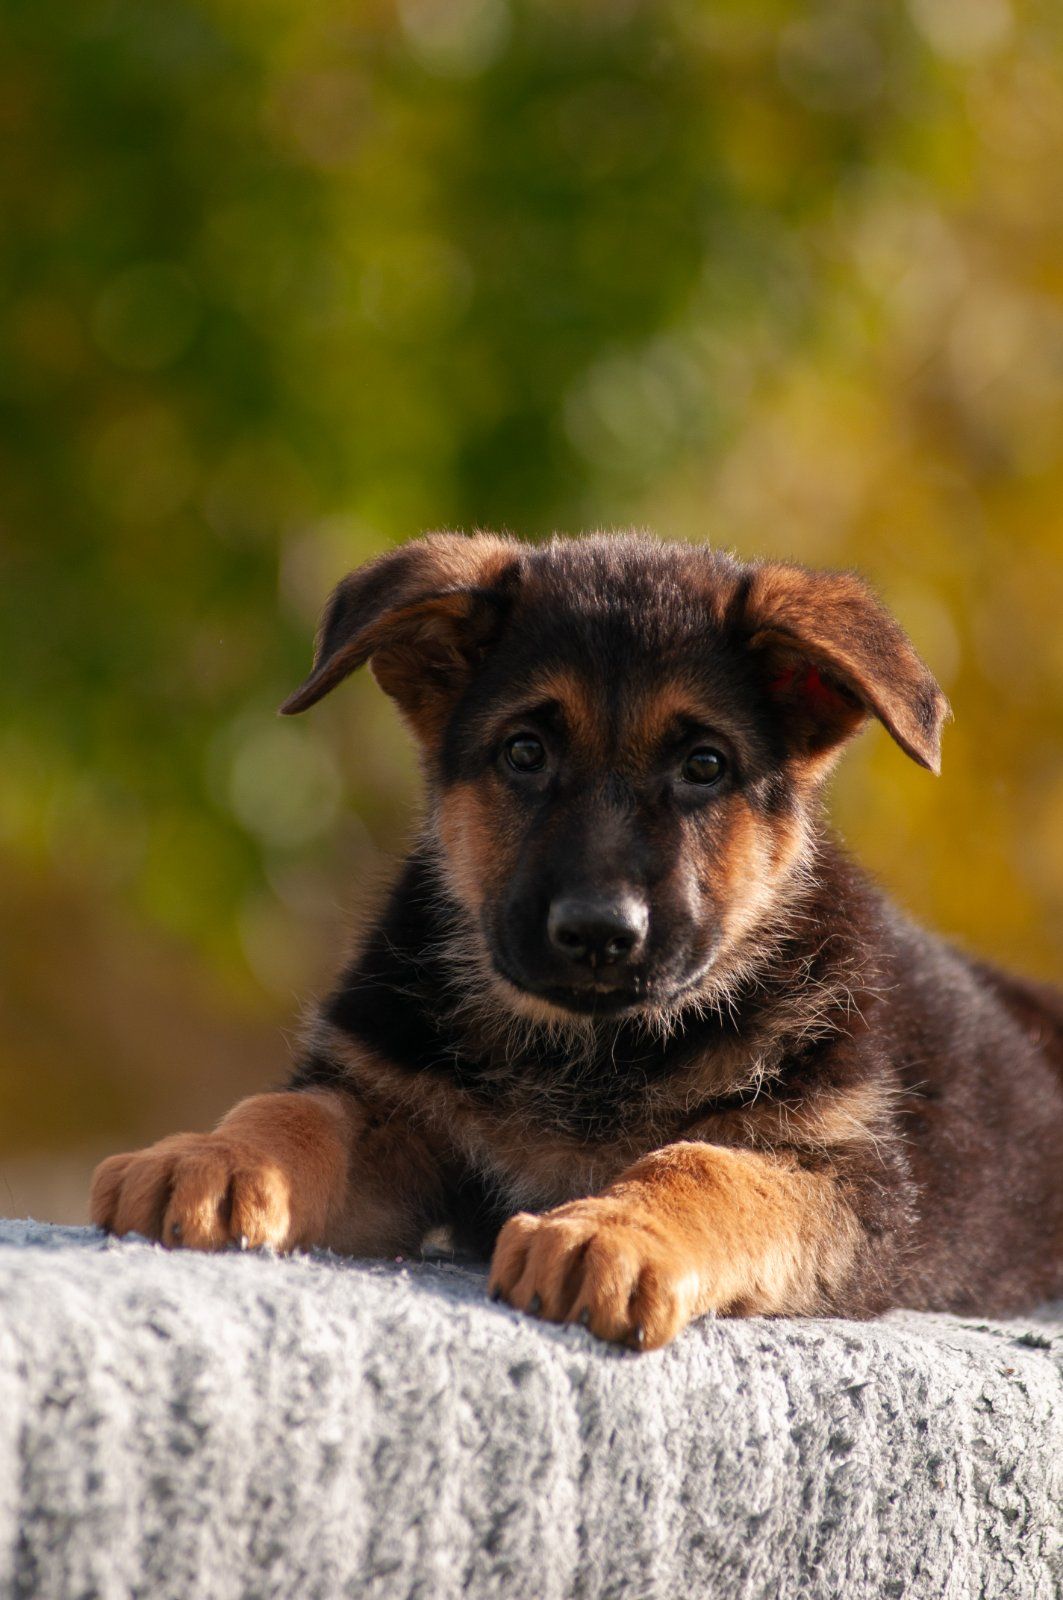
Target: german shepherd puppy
(631, 1018)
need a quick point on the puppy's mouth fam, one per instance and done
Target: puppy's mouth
(599, 997)
(593, 999)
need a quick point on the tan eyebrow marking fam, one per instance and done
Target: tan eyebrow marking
(658, 713)
(581, 710)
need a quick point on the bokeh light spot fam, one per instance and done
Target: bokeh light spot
(456, 38)
(283, 783)
(963, 30)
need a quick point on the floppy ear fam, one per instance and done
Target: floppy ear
(830, 655)
(422, 617)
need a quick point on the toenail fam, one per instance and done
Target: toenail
(584, 1318)
(175, 1230)
(535, 1305)
(496, 1292)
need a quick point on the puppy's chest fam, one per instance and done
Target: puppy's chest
(545, 1136)
(529, 1162)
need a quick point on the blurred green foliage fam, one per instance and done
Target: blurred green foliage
(283, 284)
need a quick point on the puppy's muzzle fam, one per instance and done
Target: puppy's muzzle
(598, 933)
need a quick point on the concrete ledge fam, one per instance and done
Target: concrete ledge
(185, 1426)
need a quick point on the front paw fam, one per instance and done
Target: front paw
(202, 1191)
(599, 1263)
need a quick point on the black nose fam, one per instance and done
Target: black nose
(598, 933)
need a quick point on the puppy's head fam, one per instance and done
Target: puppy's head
(624, 741)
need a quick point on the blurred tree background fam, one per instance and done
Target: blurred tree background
(285, 283)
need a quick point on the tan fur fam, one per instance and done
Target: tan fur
(454, 560)
(477, 848)
(565, 690)
(688, 1229)
(276, 1171)
(581, 716)
(850, 1118)
(749, 860)
(654, 718)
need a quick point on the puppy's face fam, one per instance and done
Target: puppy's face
(624, 740)
(612, 809)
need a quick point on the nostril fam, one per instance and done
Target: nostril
(570, 940)
(619, 945)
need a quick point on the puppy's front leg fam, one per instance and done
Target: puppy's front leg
(289, 1170)
(689, 1229)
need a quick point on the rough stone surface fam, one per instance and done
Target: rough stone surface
(246, 1426)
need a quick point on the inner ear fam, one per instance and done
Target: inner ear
(820, 712)
(424, 654)
(830, 655)
(422, 616)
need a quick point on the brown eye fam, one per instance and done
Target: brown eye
(704, 765)
(525, 753)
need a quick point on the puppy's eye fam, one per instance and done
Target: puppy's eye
(525, 753)
(704, 765)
